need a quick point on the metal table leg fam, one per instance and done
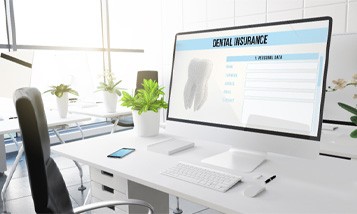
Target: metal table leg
(82, 187)
(177, 210)
(14, 140)
(9, 177)
(80, 129)
(115, 125)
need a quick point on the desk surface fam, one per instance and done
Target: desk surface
(53, 120)
(338, 142)
(99, 111)
(325, 185)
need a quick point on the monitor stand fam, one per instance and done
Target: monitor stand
(235, 159)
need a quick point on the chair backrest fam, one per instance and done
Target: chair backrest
(48, 188)
(145, 75)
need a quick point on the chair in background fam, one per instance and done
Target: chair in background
(48, 188)
(139, 80)
(145, 75)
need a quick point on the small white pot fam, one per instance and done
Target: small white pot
(147, 124)
(62, 105)
(110, 101)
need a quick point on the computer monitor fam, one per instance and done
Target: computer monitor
(259, 88)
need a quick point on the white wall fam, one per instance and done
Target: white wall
(189, 15)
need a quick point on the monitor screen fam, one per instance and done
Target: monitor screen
(267, 78)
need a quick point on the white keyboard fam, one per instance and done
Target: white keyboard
(202, 176)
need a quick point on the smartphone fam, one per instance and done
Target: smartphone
(121, 153)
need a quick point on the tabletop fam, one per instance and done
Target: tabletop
(338, 142)
(53, 120)
(98, 110)
(302, 186)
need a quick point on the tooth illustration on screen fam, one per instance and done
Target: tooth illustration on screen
(199, 71)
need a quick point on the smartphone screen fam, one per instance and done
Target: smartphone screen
(121, 153)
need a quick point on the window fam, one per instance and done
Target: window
(3, 37)
(67, 39)
(73, 23)
(126, 28)
(80, 69)
(125, 67)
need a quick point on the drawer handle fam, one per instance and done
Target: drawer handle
(108, 189)
(106, 173)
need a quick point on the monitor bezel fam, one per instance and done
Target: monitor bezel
(262, 131)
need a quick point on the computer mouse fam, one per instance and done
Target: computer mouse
(253, 190)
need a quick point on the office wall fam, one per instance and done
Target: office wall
(188, 15)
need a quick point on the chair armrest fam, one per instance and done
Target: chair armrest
(102, 204)
(122, 124)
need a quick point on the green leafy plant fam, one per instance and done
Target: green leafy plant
(58, 90)
(352, 110)
(109, 84)
(150, 98)
(339, 85)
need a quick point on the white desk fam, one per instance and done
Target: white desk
(99, 111)
(338, 142)
(324, 185)
(7, 110)
(53, 122)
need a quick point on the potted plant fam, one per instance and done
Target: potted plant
(61, 91)
(146, 105)
(110, 91)
(341, 84)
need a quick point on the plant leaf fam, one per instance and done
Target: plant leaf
(58, 90)
(117, 91)
(73, 92)
(354, 119)
(348, 108)
(146, 99)
(354, 133)
(59, 93)
(114, 85)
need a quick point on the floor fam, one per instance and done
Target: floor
(19, 198)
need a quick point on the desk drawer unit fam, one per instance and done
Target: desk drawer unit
(109, 186)
(109, 179)
(105, 193)
(116, 210)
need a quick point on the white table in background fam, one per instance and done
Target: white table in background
(53, 122)
(338, 142)
(7, 110)
(99, 111)
(9, 126)
(323, 185)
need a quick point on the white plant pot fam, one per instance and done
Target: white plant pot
(110, 101)
(62, 105)
(147, 124)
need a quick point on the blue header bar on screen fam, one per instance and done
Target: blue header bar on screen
(299, 56)
(317, 35)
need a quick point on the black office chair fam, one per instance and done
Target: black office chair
(48, 188)
(139, 81)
